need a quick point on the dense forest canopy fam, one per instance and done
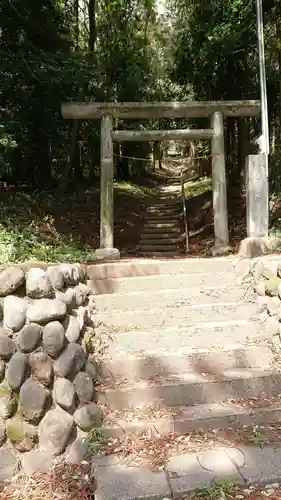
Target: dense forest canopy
(61, 50)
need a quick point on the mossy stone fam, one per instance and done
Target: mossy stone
(271, 286)
(8, 401)
(268, 273)
(279, 270)
(21, 434)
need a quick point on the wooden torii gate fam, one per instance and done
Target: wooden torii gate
(217, 111)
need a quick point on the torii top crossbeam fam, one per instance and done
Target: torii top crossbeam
(148, 110)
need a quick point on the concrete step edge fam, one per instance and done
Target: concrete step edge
(208, 325)
(177, 360)
(211, 418)
(161, 281)
(172, 291)
(152, 277)
(182, 392)
(155, 317)
(129, 267)
(158, 310)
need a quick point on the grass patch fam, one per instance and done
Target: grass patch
(95, 439)
(258, 437)
(220, 490)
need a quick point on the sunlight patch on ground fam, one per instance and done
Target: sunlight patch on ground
(134, 189)
(196, 188)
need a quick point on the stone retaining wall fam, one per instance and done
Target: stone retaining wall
(46, 376)
(267, 285)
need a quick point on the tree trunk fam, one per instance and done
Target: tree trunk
(92, 25)
(39, 162)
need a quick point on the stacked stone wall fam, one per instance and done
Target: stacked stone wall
(46, 374)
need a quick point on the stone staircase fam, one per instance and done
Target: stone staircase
(164, 225)
(185, 339)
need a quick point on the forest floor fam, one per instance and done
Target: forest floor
(55, 226)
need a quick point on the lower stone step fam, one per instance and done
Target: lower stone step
(182, 420)
(169, 297)
(164, 281)
(193, 474)
(181, 316)
(212, 361)
(193, 389)
(143, 343)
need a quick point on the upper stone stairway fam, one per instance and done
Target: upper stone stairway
(164, 224)
(187, 339)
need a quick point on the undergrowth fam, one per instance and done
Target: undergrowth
(218, 491)
(28, 231)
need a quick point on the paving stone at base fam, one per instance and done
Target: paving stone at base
(130, 483)
(186, 474)
(262, 465)
(220, 463)
(191, 471)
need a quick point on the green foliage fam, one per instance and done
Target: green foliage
(258, 436)
(221, 489)
(98, 50)
(22, 216)
(95, 439)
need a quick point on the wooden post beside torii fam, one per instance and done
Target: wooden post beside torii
(107, 112)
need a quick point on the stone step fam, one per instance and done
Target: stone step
(167, 298)
(144, 343)
(189, 265)
(168, 200)
(163, 217)
(161, 230)
(164, 255)
(148, 225)
(163, 203)
(176, 361)
(163, 281)
(163, 214)
(183, 315)
(160, 236)
(159, 247)
(193, 474)
(193, 389)
(182, 420)
(165, 210)
(158, 240)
